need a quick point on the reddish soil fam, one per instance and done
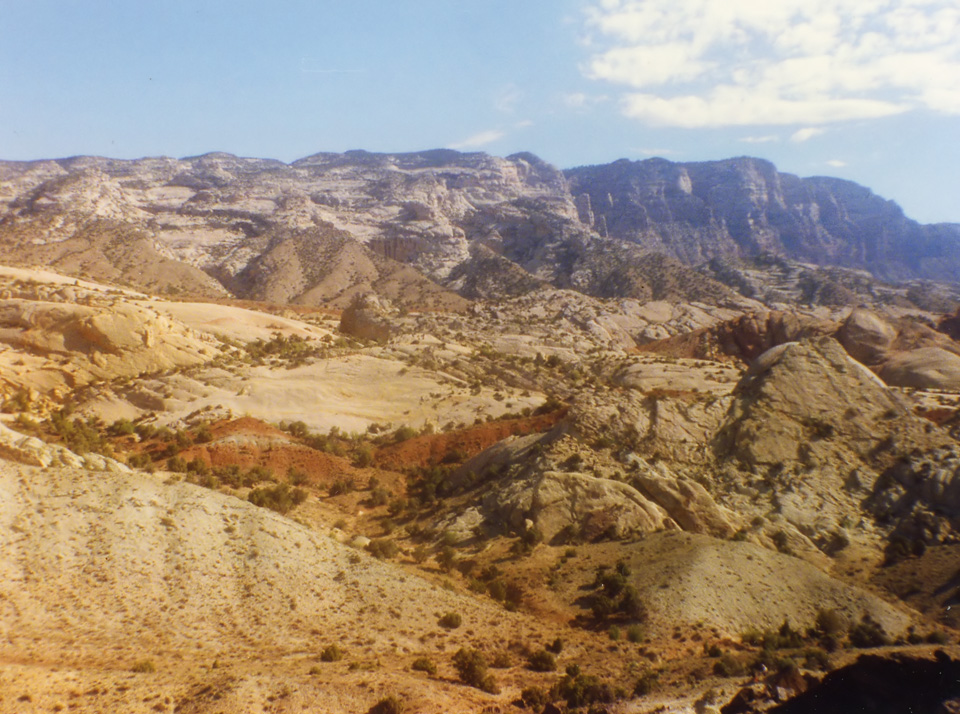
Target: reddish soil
(938, 415)
(460, 445)
(272, 448)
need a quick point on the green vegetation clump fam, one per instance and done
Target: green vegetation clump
(424, 664)
(341, 486)
(534, 698)
(80, 436)
(331, 653)
(614, 597)
(451, 621)
(582, 690)
(391, 704)
(471, 667)
(382, 548)
(279, 497)
(868, 633)
(293, 349)
(728, 666)
(542, 661)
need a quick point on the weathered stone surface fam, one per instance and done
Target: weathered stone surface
(687, 502)
(866, 336)
(799, 393)
(924, 368)
(591, 507)
(745, 207)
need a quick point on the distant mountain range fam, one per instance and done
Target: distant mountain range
(433, 228)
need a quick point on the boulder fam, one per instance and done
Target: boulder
(368, 317)
(924, 368)
(866, 336)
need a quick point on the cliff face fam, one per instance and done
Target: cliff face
(744, 207)
(325, 227)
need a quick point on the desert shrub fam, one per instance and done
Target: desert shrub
(501, 660)
(728, 666)
(602, 606)
(513, 595)
(404, 433)
(614, 633)
(542, 661)
(451, 621)
(471, 667)
(424, 664)
(938, 637)
(497, 590)
(784, 638)
(631, 606)
(868, 633)
(363, 456)
(198, 466)
(830, 622)
(534, 698)
(646, 684)
(298, 429)
(382, 548)
(78, 435)
(341, 486)
(635, 633)
(379, 496)
(447, 558)
(145, 431)
(177, 465)
(331, 653)
(816, 658)
(144, 666)
(203, 435)
(391, 704)
(256, 474)
(581, 690)
(139, 461)
(297, 477)
(279, 497)
(556, 646)
(121, 427)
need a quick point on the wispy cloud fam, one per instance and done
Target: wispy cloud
(579, 100)
(508, 98)
(802, 135)
(477, 140)
(836, 163)
(765, 139)
(692, 63)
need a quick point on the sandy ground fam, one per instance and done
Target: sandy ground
(100, 572)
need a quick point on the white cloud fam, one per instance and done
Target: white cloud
(801, 135)
(579, 100)
(836, 163)
(766, 139)
(507, 99)
(477, 140)
(695, 63)
(523, 124)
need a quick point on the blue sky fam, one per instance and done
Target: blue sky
(867, 90)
